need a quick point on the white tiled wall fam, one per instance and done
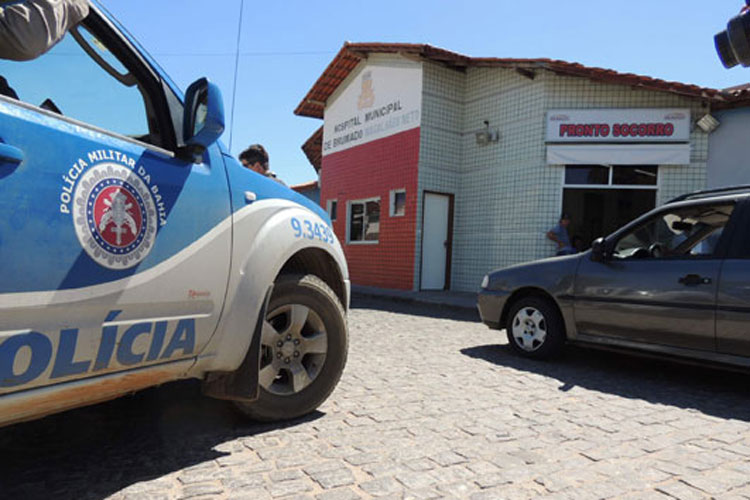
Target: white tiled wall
(506, 196)
(440, 154)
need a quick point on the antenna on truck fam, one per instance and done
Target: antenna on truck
(236, 70)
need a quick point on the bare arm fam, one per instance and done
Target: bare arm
(551, 235)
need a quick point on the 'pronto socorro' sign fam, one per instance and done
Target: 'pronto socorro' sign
(618, 125)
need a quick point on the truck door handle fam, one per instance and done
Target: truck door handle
(10, 154)
(694, 279)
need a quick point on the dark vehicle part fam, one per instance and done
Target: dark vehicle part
(733, 44)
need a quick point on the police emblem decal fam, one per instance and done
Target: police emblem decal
(114, 216)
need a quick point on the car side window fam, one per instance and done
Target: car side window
(687, 232)
(82, 78)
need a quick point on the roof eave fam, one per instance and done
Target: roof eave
(351, 54)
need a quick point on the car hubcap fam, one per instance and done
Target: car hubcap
(294, 346)
(529, 329)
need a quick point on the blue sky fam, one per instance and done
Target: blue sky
(285, 46)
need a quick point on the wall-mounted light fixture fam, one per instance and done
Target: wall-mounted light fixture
(708, 123)
(486, 136)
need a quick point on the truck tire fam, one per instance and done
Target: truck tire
(304, 345)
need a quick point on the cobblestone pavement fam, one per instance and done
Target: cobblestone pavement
(428, 407)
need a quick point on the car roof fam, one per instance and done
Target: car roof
(740, 190)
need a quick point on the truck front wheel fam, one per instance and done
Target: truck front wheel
(303, 351)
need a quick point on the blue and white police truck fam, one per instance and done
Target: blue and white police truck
(134, 250)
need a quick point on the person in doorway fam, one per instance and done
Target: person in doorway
(29, 28)
(255, 158)
(559, 234)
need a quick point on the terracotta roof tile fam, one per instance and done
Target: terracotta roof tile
(740, 96)
(307, 186)
(351, 54)
(313, 149)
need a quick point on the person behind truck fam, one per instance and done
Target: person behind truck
(29, 28)
(559, 234)
(255, 158)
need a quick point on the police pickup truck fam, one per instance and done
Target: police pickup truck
(134, 250)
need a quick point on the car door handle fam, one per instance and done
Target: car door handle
(694, 279)
(10, 154)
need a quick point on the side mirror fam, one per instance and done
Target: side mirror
(203, 121)
(598, 250)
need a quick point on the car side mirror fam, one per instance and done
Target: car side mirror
(203, 121)
(598, 250)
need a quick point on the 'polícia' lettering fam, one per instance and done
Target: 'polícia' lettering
(117, 342)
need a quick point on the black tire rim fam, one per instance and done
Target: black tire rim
(294, 345)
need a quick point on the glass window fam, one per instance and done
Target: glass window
(356, 221)
(398, 203)
(616, 175)
(333, 209)
(586, 174)
(81, 78)
(596, 212)
(601, 198)
(635, 175)
(364, 220)
(682, 233)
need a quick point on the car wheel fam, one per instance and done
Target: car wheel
(303, 351)
(535, 328)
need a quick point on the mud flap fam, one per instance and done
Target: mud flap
(241, 384)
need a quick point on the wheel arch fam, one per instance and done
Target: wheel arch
(320, 263)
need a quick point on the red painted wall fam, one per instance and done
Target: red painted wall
(368, 171)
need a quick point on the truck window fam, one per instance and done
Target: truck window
(68, 81)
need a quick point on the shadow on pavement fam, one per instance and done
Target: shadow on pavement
(712, 391)
(400, 306)
(94, 452)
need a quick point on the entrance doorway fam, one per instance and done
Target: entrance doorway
(601, 199)
(436, 241)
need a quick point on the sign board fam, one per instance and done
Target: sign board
(618, 125)
(381, 100)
